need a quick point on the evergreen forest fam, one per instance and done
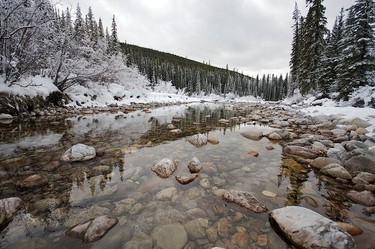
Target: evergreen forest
(337, 61)
(36, 38)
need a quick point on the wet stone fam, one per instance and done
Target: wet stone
(336, 171)
(123, 206)
(198, 140)
(186, 179)
(365, 197)
(139, 241)
(32, 181)
(205, 183)
(321, 162)
(196, 228)
(165, 168)
(8, 208)
(194, 166)
(246, 200)
(167, 194)
(300, 151)
(253, 134)
(350, 228)
(47, 204)
(92, 230)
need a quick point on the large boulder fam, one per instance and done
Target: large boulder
(165, 168)
(244, 199)
(8, 208)
(79, 152)
(308, 229)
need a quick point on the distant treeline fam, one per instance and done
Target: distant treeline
(196, 77)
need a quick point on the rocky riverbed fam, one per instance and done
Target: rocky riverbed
(268, 155)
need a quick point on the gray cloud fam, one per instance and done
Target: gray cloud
(253, 36)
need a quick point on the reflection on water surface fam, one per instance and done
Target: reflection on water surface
(119, 181)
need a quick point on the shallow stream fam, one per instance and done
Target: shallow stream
(128, 145)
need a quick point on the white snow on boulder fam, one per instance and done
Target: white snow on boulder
(79, 152)
(308, 229)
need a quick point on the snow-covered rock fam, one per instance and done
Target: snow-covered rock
(165, 167)
(308, 229)
(79, 152)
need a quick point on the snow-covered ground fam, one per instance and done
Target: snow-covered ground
(135, 88)
(313, 107)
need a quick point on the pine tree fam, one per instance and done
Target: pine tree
(100, 29)
(357, 65)
(113, 45)
(296, 47)
(91, 27)
(313, 45)
(331, 57)
(79, 28)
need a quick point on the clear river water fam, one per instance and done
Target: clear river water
(119, 181)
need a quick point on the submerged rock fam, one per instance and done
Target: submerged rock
(140, 240)
(170, 236)
(165, 168)
(350, 228)
(79, 152)
(94, 230)
(8, 208)
(245, 200)
(308, 229)
(197, 228)
(32, 181)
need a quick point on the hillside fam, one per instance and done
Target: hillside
(201, 78)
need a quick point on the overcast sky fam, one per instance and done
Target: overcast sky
(253, 36)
